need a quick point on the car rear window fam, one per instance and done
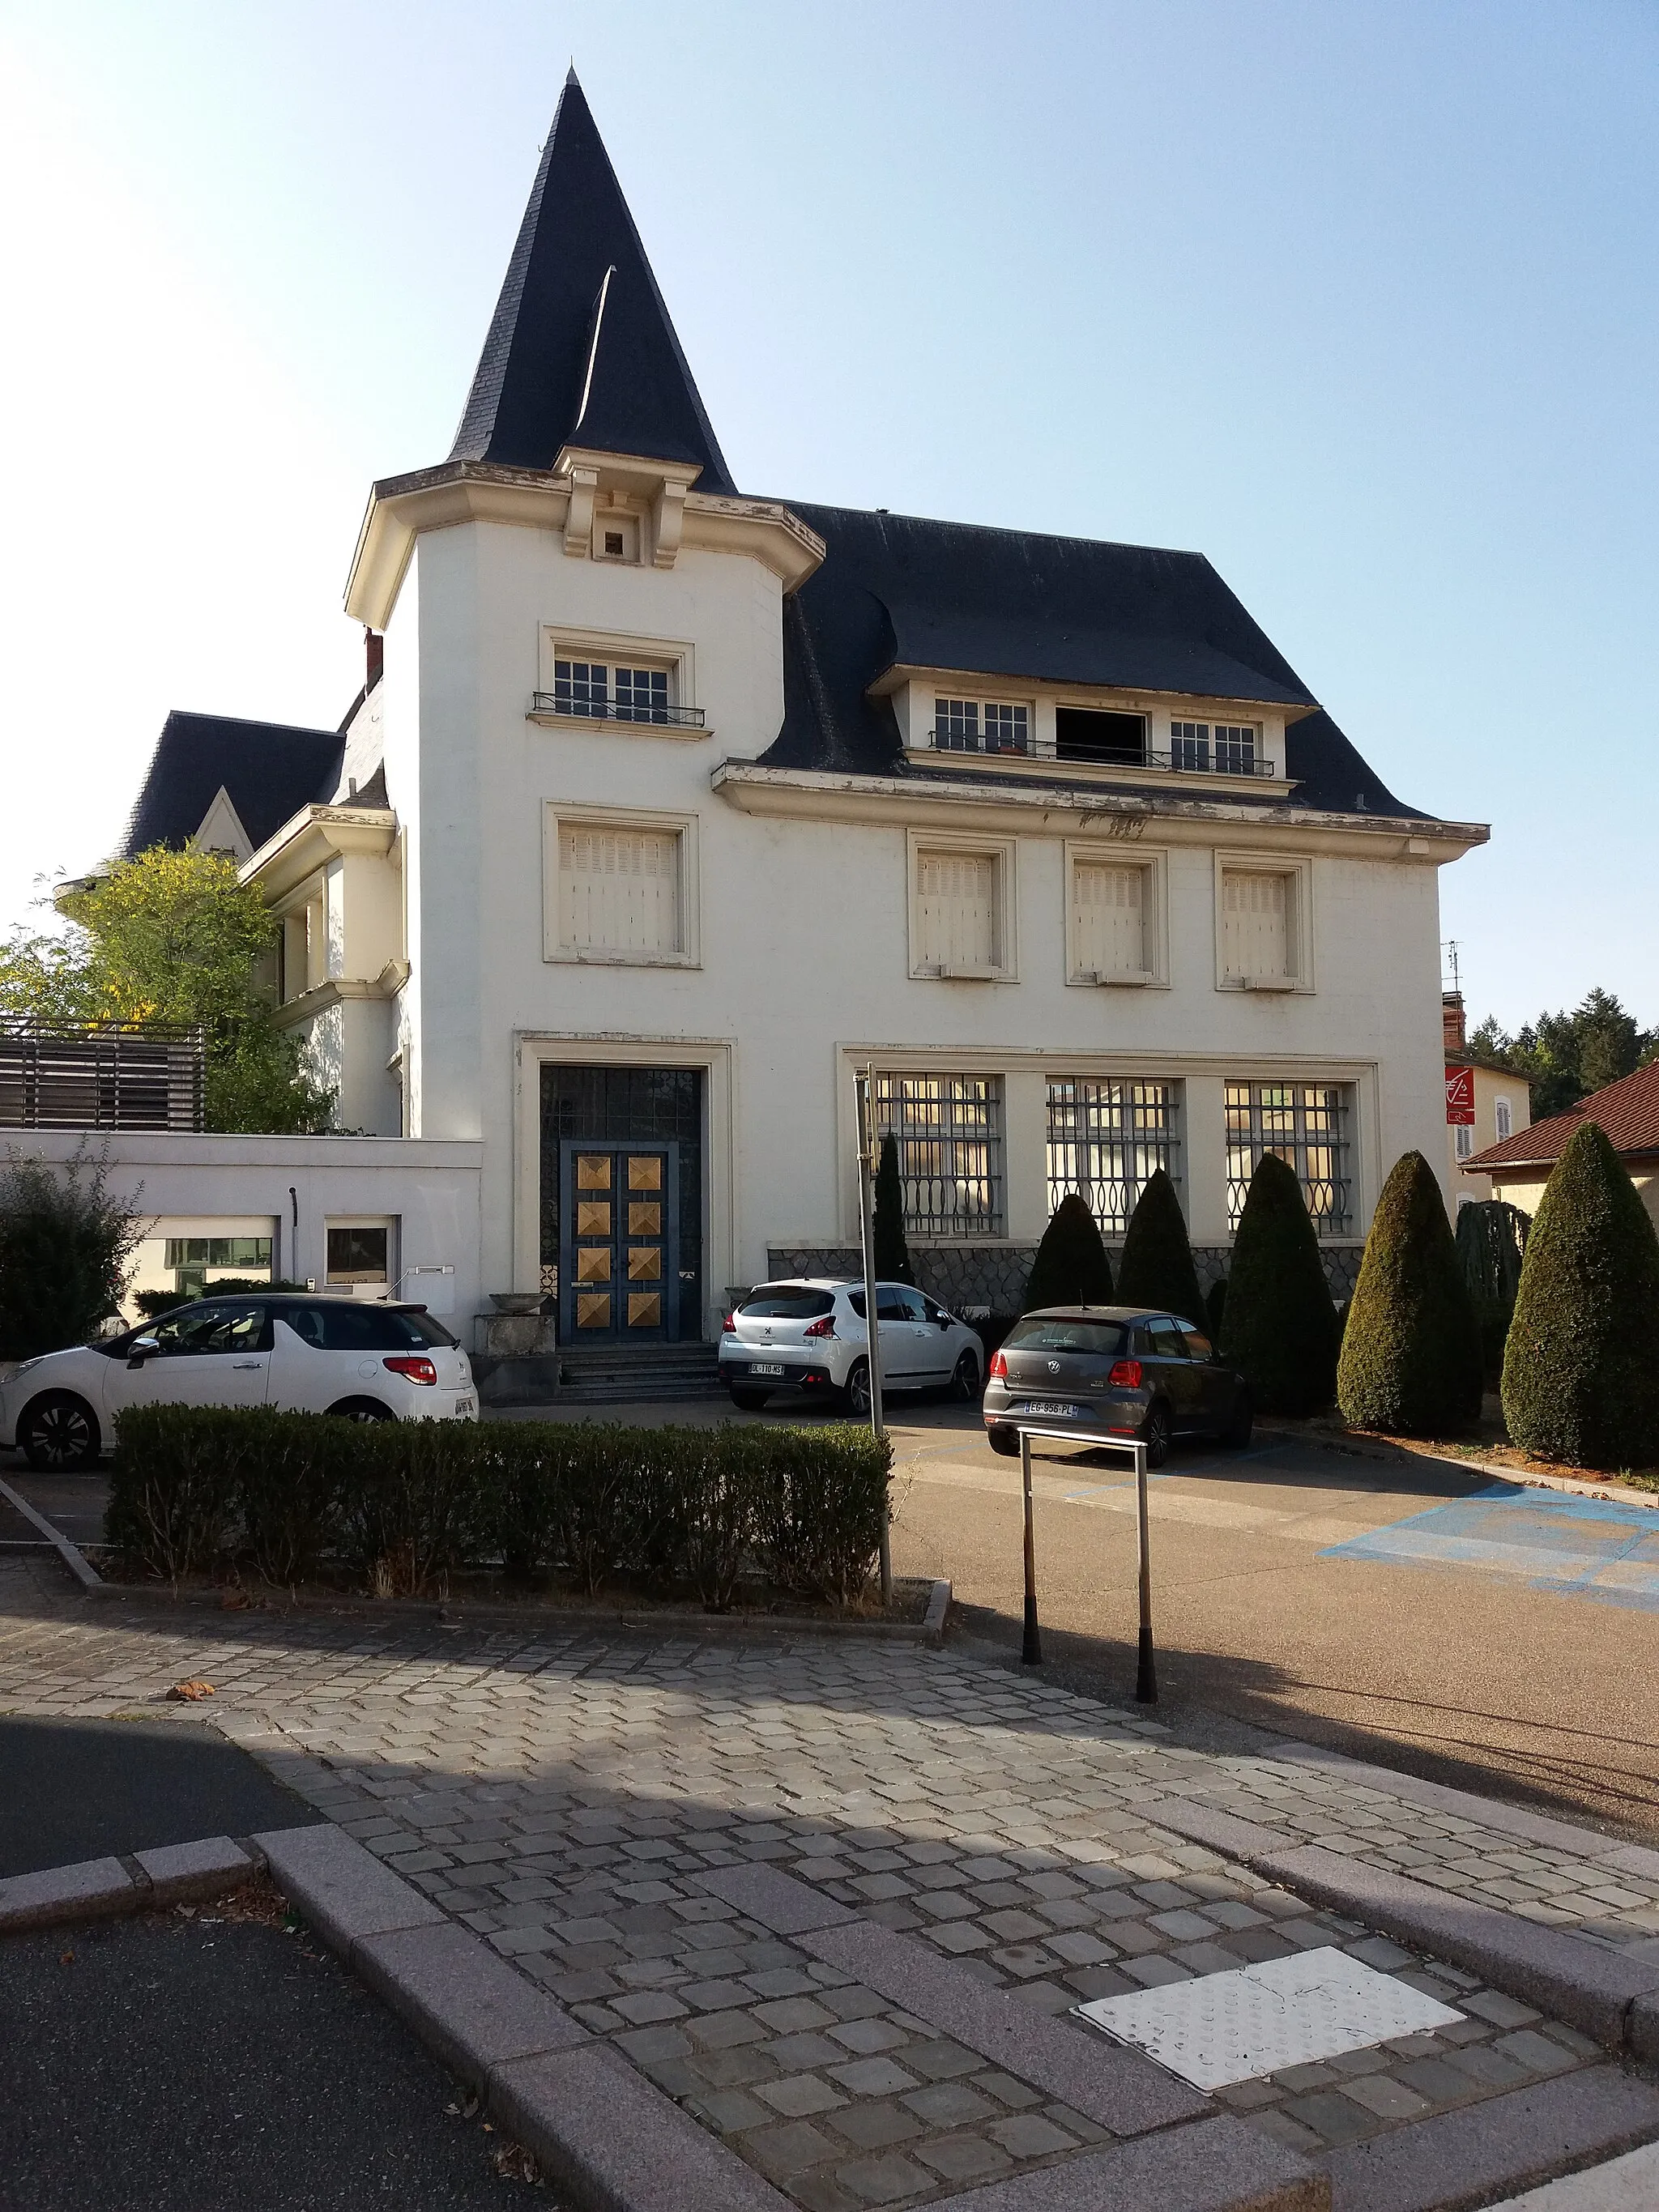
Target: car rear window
(365, 1328)
(1101, 1339)
(786, 1302)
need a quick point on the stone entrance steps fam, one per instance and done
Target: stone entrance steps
(615, 1375)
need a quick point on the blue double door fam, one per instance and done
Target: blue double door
(619, 1261)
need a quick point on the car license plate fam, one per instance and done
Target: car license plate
(764, 1367)
(464, 1408)
(1054, 1413)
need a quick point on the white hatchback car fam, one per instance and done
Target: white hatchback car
(811, 1336)
(302, 1354)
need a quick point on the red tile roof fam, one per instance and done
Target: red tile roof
(1628, 1110)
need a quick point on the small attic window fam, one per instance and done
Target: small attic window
(616, 537)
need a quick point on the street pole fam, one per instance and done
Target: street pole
(1032, 1651)
(1146, 1671)
(864, 1093)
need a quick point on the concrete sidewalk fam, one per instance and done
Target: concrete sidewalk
(580, 1804)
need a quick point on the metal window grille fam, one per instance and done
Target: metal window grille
(101, 1076)
(956, 725)
(641, 695)
(1306, 1125)
(582, 687)
(949, 1132)
(1106, 1140)
(1235, 749)
(1189, 744)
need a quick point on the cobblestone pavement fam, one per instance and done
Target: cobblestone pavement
(563, 1797)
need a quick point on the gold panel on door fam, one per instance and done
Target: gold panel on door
(593, 1170)
(592, 1309)
(645, 1171)
(593, 1217)
(644, 1309)
(644, 1217)
(645, 1263)
(592, 1263)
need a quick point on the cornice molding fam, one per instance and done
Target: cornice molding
(816, 794)
(313, 837)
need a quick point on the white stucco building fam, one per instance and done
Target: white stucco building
(670, 807)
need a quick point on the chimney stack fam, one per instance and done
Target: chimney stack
(1451, 1021)
(375, 652)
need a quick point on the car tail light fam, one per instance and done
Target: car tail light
(998, 1368)
(825, 1328)
(1125, 1374)
(414, 1369)
(729, 1326)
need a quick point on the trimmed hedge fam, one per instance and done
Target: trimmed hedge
(1411, 1361)
(1278, 1326)
(1156, 1266)
(1581, 1369)
(400, 1504)
(1070, 1267)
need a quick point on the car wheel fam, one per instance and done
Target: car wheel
(750, 1401)
(964, 1383)
(362, 1409)
(1237, 1434)
(1155, 1436)
(1005, 1441)
(858, 1390)
(58, 1431)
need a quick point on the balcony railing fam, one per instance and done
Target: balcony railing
(615, 710)
(100, 1075)
(957, 741)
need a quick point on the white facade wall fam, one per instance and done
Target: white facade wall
(804, 963)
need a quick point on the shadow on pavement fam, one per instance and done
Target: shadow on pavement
(73, 1789)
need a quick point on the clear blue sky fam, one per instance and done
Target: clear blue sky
(1358, 298)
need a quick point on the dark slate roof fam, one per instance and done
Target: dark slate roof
(270, 769)
(898, 590)
(581, 351)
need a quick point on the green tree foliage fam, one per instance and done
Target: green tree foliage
(1581, 1369)
(1278, 1326)
(893, 1253)
(65, 1241)
(174, 937)
(1070, 1267)
(1565, 1056)
(1411, 1361)
(1156, 1268)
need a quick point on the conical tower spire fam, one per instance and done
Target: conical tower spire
(581, 351)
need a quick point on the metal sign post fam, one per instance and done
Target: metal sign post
(1031, 1654)
(864, 1095)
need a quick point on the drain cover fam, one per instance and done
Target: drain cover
(1236, 2026)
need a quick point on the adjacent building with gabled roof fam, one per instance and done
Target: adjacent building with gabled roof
(678, 805)
(1627, 1111)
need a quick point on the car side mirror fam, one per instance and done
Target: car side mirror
(945, 1321)
(140, 1349)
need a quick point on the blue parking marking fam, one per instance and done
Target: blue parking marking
(1572, 1547)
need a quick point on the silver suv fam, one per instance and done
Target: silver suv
(811, 1336)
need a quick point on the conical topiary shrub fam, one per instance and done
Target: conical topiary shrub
(1279, 1326)
(1156, 1268)
(1410, 1363)
(1581, 1369)
(1070, 1267)
(893, 1253)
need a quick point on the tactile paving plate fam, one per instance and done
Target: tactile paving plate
(1236, 2026)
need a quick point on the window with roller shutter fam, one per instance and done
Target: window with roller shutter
(1258, 924)
(960, 910)
(1111, 920)
(620, 890)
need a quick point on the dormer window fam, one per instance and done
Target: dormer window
(992, 726)
(1088, 734)
(1228, 747)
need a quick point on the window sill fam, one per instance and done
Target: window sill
(1140, 979)
(684, 733)
(952, 975)
(1193, 783)
(585, 958)
(1278, 985)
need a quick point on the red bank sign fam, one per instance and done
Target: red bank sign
(1459, 1096)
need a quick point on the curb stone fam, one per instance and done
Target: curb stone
(99, 1888)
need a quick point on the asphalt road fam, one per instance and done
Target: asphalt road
(181, 2064)
(1409, 1612)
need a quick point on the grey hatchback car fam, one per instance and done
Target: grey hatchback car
(1117, 1371)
